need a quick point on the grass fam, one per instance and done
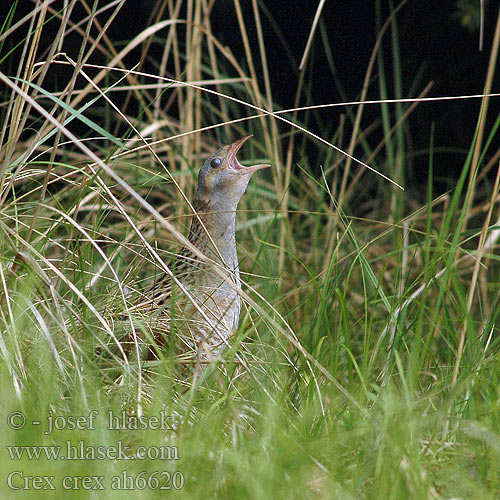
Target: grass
(366, 363)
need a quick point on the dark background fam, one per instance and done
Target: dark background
(433, 43)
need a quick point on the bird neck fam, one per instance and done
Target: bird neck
(221, 226)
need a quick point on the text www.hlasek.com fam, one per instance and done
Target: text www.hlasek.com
(82, 451)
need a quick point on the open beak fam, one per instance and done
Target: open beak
(235, 164)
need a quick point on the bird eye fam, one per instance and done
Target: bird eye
(215, 163)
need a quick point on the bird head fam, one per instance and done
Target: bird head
(223, 179)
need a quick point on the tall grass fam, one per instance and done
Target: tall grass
(366, 363)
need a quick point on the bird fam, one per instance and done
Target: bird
(208, 314)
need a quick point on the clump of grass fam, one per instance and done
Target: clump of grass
(366, 364)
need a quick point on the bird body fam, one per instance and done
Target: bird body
(209, 312)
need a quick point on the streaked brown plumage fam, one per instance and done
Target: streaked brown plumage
(207, 324)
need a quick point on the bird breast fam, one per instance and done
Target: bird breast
(213, 313)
